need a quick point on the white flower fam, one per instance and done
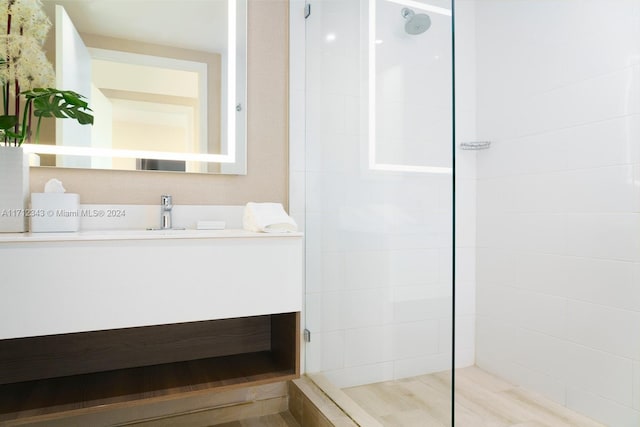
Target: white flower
(21, 55)
(27, 18)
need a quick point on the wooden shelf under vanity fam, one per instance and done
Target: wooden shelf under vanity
(47, 377)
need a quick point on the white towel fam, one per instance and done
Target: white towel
(268, 218)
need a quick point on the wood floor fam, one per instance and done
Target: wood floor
(53, 397)
(284, 419)
(482, 400)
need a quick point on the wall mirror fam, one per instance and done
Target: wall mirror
(166, 80)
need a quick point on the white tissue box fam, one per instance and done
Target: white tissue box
(54, 212)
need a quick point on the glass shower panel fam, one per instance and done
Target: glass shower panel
(379, 194)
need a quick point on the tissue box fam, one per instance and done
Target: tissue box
(54, 212)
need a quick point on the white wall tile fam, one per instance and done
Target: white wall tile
(332, 349)
(415, 339)
(602, 281)
(581, 102)
(465, 298)
(358, 375)
(601, 409)
(542, 313)
(545, 233)
(313, 312)
(547, 385)
(541, 353)
(497, 230)
(367, 269)
(556, 57)
(313, 232)
(296, 193)
(313, 142)
(465, 356)
(495, 340)
(340, 152)
(365, 346)
(612, 236)
(313, 355)
(332, 307)
(558, 230)
(413, 267)
(598, 98)
(421, 365)
(465, 332)
(604, 328)
(544, 273)
(498, 161)
(636, 385)
(605, 143)
(340, 72)
(414, 303)
(333, 271)
(607, 189)
(538, 154)
(600, 373)
(313, 192)
(634, 297)
(496, 267)
(466, 160)
(497, 195)
(635, 179)
(498, 302)
(356, 309)
(466, 213)
(465, 265)
(541, 193)
(341, 19)
(313, 271)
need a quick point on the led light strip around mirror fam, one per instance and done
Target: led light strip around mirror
(228, 158)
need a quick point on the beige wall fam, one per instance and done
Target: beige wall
(267, 137)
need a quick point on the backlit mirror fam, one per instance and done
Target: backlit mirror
(166, 80)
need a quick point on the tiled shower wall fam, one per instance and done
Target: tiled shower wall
(558, 268)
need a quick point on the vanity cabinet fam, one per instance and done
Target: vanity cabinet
(145, 315)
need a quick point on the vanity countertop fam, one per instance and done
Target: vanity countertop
(137, 234)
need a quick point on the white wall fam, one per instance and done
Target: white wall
(465, 122)
(558, 269)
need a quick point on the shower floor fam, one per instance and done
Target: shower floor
(482, 400)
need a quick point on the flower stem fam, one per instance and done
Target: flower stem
(6, 87)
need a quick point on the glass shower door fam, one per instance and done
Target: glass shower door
(379, 195)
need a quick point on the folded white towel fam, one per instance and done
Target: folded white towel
(268, 218)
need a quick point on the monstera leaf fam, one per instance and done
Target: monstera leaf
(50, 102)
(62, 104)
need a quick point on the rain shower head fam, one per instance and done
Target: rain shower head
(416, 23)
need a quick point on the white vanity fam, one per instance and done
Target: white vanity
(225, 303)
(56, 283)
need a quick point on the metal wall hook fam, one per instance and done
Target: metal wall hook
(475, 145)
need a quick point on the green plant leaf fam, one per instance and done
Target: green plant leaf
(7, 122)
(51, 102)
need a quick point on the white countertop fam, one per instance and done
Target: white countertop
(94, 235)
(133, 222)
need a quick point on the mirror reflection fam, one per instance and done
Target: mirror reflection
(165, 79)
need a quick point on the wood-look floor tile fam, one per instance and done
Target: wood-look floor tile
(414, 417)
(273, 420)
(276, 420)
(482, 400)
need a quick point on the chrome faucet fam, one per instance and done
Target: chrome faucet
(166, 205)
